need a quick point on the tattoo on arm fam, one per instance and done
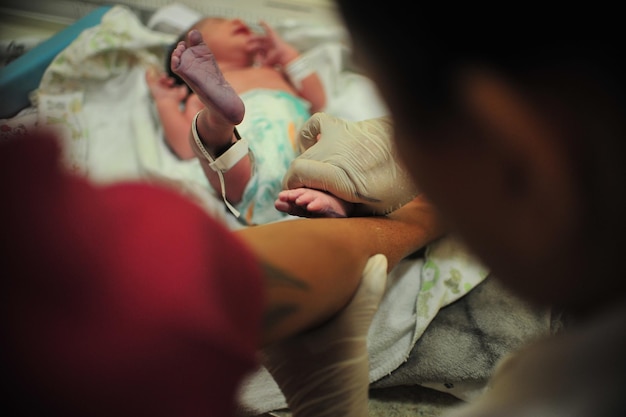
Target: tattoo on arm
(278, 278)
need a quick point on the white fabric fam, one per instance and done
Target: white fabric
(173, 18)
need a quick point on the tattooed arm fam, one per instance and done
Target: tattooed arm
(313, 266)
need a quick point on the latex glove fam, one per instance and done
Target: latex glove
(354, 161)
(325, 371)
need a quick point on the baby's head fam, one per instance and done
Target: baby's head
(228, 39)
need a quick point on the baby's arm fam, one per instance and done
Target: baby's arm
(305, 81)
(174, 117)
(310, 87)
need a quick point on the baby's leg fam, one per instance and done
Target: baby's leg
(308, 202)
(196, 65)
(325, 372)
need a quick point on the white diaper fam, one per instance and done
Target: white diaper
(271, 124)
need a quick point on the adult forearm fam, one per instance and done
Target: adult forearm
(313, 266)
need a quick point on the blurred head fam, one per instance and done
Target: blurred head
(513, 124)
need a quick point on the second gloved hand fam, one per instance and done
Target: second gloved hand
(354, 161)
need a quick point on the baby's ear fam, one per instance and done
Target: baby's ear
(537, 184)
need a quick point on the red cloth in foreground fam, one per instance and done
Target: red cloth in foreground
(119, 300)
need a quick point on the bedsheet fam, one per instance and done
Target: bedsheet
(94, 93)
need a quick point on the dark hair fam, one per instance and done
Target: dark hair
(168, 57)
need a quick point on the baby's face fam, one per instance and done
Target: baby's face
(228, 38)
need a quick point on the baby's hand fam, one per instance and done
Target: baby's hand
(272, 49)
(163, 87)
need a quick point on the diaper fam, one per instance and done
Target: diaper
(271, 124)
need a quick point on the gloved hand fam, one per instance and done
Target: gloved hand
(354, 161)
(325, 371)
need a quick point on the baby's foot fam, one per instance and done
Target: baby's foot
(307, 202)
(196, 64)
(325, 372)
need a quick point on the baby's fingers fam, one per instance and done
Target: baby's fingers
(256, 44)
(267, 28)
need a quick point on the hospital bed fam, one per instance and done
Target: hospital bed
(443, 323)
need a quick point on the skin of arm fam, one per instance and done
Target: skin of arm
(175, 118)
(312, 90)
(313, 266)
(278, 52)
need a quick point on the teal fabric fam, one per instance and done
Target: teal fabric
(23, 75)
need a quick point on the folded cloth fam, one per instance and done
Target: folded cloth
(459, 351)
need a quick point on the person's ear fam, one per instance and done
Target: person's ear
(537, 186)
